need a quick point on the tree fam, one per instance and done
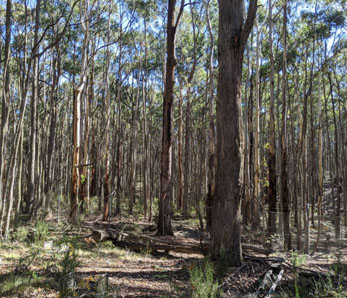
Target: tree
(164, 218)
(272, 191)
(284, 170)
(226, 212)
(5, 110)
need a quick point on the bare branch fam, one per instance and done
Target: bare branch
(252, 10)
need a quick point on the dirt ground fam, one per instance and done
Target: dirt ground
(147, 273)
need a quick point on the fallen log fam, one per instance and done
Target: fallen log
(260, 250)
(149, 242)
(155, 247)
(103, 235)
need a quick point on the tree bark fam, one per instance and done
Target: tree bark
(284, 173)
(226, 216)
(211, 132)
(107, 210)
(5, 108)
(30, 196)
(164, 218)
(272, 190)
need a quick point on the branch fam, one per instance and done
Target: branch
(85, 165)
(59, 36)
(179, 14)
(252, 10)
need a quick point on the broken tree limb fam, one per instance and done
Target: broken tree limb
(103, 235)
(265, 283)
(275, 284)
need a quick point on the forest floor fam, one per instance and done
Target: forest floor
(49, 259)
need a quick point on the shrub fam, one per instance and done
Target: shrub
(203, 282)
(41, 231)
(20, 234)
(67, 273)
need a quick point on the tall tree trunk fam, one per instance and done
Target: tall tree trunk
(119, 164)
(164, 218)
(187, 158)
(337, 166)
(233, 35)
(320, 167)
(107, 128)
(30, 196)
(79, 94)
(284, 173)
(211, 131)
(52, 127)
(133, 152)
(5, 108)
(179, 153)
(146, 165)
(256, 197)
(272, 190)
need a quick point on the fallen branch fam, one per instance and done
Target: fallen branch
(275, 284)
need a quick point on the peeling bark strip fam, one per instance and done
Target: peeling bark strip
(226, 211)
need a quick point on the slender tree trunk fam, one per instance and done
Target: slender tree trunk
(30, 196)
(146, 164)
(337, 166)
(79, 95)
(52, 127)
(187, 156)
(119, 159)
(284, 173)
(320, 167)
(179, 153)
(247, 196)
(107, 128)
(272, 190)
(133, 152)
(211, 132)
(256, 198)
(5, 107)
(164, 218)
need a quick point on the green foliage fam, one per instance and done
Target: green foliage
(203, 282)
(20, 234)
(18, 283)
(106, 244)
(83, 179)
(331, 286)
(22, 277)
(339, 268)
(328, 288)
(298, 259)
(41, 231)
(67, 271)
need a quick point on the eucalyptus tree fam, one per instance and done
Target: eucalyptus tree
(272, 191)
(5, 109)
(211, 134)
(233, 36)
(164, 218)
(284, 170)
